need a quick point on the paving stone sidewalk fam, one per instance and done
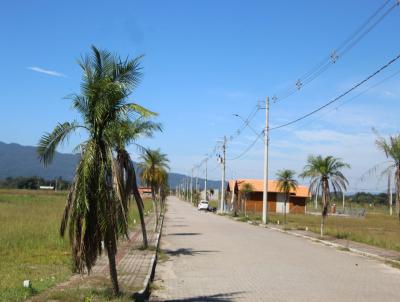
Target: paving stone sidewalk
(133, 264)
(368, 250)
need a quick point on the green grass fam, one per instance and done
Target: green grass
(98, 291)
(213, 203)
(30, 245)
(376, 228)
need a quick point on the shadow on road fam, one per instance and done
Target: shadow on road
(184, 234)
(226, 297)
(186, 251)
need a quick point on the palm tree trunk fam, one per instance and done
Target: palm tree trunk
(325, 196)
(140, 206)
(153, 196)
(110, 236)
(111, 248)
(398, 191)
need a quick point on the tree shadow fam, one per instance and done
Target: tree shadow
(180, 225)
(187, 252)
(184, 234)
(225, 297)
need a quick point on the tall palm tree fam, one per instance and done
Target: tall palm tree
(325, 172)
(153, 165)
(286, 183)
(391, 148)
(95, 211)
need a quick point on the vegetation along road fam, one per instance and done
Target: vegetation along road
(213, 258)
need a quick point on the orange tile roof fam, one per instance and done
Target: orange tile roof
(143, 190)
(258, 186)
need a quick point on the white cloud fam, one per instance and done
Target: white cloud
(46, 71)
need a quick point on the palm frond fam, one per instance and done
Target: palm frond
(50, 141)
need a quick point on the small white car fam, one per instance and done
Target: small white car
(203, 205)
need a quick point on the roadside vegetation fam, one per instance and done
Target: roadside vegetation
(31, 248)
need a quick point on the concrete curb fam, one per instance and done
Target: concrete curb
(335, 245)
(144, 293)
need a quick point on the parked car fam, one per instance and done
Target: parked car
(203, 205)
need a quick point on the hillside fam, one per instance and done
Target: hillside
(17, 160)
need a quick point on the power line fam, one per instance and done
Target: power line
(248, 148)
(343, 48)
(327, 104)
(352, 98)
(340, 96)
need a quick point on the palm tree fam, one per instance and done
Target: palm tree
(391, 148)
(153, 165)
(323, 173)
(95, 211)
(286, 183)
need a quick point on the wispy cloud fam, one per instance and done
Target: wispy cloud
(46, 71)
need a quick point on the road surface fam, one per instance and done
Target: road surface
(213, 258)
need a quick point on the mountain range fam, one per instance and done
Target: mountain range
(17, 160)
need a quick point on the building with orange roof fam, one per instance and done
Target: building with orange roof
(248, 196)
(145, 192)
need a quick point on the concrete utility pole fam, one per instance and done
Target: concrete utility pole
(191, 187)
(187, 188)
(197, 180)
(205, 182)
(266, 146)
(222, 160)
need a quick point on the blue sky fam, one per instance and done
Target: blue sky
(204, 61)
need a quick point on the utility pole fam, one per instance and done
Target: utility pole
(187, 188)
(197, 180)
(266, 146)
(205, 183)
(191, 187)
(222, 160)
(185, 183)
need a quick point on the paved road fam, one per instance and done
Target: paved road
(213, 258)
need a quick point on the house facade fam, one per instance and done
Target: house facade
(145, 192)
(247, 196)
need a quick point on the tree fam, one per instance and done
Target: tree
(153, 165)
(246, 190)
(95, 211)
(286, 183)
(391, 148)
(325, 172)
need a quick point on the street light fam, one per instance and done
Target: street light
(247, 124)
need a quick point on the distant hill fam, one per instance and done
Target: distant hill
(17, 160)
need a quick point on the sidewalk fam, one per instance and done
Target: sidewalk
(356, 247)
(133, 266)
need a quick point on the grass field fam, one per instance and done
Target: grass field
(376, 228)
(30, 245)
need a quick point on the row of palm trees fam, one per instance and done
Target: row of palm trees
(326, 176)
(97, 205)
